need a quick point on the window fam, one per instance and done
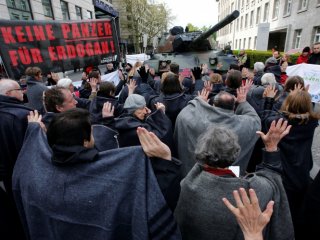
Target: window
(258, 15)
(236, 44)
(249, 42)
(64, 10)
(316, 37)
(255, 42)
(79, 13)
(241, 22)
(19, 10)
(239, 43)
(275, 9)
(89, 14)
(287, 8)
(47, 8)
(303, 4)
(251, 18)
(297, 38)
(238, 24)
(266, 12)
(244, 43)
(246, 21)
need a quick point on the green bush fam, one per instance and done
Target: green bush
(262, 56)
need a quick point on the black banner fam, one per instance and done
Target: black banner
(55, 46)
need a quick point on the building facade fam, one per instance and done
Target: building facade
(134, 15)
(293, 24)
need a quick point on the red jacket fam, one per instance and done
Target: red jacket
(302, 59)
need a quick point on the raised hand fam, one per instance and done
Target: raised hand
(208, 86)
(35, 117)
(160, 106)
(204, 94)
(143, 72)
(93, 84)
(196, 72)
(152, 146)
(131, 86)
(107, 110)
(247, 85)
(276, 132)
(248, 213)
(241, 94)
(270, 91)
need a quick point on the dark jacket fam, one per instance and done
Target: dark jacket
(35, 91)
(314, 59)
(13, 124)
(257, 78)
(198, 86)
(96, 106)
(143, 89)
(108, 195)
(295, 149)
(174, 104)
(157, 122)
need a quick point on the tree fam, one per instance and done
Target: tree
(192, 28)
(158, 20)
(145, 18)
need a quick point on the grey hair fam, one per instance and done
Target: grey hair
(268, 79)
(64, 82)
(217, 147)
(6, 85)
(258, 66)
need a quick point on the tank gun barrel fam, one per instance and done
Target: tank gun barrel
(228, 19)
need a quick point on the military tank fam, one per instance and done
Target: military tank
(191, 49)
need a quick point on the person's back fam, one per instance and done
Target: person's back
(198, 114)
(35, 88)
(172, 96)
(67, 190)
(210, 180)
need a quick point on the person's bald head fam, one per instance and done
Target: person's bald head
(11, 88)
(224, 100)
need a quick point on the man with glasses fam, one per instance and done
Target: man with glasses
(13, 124)
(315, 56)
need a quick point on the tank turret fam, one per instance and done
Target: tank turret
(191, 49)
(180, 41)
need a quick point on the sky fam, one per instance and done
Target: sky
(198, 12)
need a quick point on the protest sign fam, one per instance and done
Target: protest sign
(311, 76)
(55, 46)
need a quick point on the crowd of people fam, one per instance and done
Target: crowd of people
(207, 157)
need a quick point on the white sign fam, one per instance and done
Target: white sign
(145, 40)
(263, 36)
(311, 76)
(132, 59)
(111, 77)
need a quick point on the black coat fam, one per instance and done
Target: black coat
(174, 104)
(13, 124)
(96, 106)
(157, 122)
